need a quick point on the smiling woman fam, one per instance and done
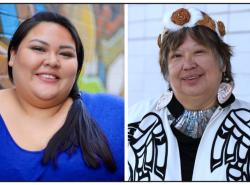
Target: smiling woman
(49, 130)
(49, 62)
(197, 130)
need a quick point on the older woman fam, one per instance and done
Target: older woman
(197, 130)
(49, 131)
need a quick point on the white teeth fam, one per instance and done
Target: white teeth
(191, 78)
(48, 76)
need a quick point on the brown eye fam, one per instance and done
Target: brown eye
(176, 56)
(67, 54)
(199, 51)
(38, 49)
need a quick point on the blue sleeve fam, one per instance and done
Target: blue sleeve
(108, 112)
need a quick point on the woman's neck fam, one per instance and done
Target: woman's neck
(30, 108)
(197, 102)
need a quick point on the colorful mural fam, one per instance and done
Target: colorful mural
(101, 28)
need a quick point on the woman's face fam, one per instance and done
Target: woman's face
(45, 64)
(194, 70)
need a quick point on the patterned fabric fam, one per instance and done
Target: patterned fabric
(148, 139)
(223, 152)
(231, 145)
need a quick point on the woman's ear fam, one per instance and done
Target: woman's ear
(12, 58)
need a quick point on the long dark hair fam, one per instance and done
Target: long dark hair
(79, 128)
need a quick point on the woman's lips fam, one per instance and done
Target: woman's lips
(192, 79)
(46, 77)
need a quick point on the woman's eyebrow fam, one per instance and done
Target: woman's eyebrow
(38, 40)
(67, 47)
(61, 46)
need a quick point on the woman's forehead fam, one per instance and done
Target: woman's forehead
(188, 37)
(44, 27)
(46, 31)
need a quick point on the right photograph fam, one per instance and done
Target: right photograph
(188, 92)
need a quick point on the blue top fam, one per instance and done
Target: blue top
(17, 164)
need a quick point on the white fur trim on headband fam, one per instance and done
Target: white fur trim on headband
(195, 16)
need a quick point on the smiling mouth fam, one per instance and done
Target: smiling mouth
(48, 77)
(192, 77)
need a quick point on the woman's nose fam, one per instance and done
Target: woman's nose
(52, 60)
(189, 63)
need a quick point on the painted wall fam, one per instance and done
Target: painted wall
(145, 24)
(101, 28)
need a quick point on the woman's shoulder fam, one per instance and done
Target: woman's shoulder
(145, 104)
(141, 108)
(241, 104)
(5, 97)
(104, 107)
(108, 112)
(102, 99)
(5, 92)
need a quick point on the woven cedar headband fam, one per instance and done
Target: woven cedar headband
(173, 21)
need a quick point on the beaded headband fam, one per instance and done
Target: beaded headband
(173, 21)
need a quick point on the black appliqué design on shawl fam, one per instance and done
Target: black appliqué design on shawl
(231, 146)
(148, 144)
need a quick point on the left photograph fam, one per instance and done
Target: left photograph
(62, 92)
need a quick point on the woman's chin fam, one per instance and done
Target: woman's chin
(46, 95)
(195, 92)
